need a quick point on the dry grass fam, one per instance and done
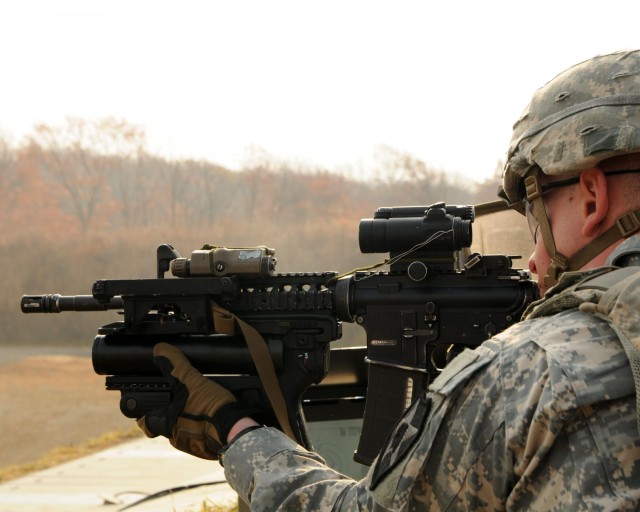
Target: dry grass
(66, 453)
(55, 408)
(209, 506)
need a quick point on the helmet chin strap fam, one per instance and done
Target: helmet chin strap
(625, 226)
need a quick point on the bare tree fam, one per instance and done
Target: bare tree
(409, 180)
(210, 194)
(8, 177)
(397, 166)
(175, 182)
(80, 156)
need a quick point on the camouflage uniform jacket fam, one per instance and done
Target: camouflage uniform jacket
(541, 417)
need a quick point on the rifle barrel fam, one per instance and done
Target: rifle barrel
(55, 303)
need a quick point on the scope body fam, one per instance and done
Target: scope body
(399, 229)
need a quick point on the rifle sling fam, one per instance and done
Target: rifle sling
(225, 322)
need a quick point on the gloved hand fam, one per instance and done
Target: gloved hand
(198, 419)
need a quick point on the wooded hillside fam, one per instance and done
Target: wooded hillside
(87, 200)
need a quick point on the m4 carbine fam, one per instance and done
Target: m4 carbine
(266, 336)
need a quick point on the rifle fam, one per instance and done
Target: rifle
(266, 336)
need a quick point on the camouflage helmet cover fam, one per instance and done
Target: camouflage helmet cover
(586, 114)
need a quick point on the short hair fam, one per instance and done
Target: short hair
(630, 182)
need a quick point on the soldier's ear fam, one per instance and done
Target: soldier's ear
(594, 202)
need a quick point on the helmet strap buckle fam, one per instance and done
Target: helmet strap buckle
(532, 187)
(559, 265)
(628, 224)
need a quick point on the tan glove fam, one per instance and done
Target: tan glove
(201, 413)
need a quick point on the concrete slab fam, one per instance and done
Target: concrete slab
(120, 477)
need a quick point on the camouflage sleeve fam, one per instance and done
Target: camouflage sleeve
(270, 471)
(541, 417)
(273, 473)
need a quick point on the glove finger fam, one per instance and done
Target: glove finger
(143, 426)
(169, 351)
(161, 421)
(172, 362)
(192, 437)
(165, 366)
(204, 395)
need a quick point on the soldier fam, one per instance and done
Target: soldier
(541, 417)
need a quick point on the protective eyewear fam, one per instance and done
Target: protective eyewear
(527, 204)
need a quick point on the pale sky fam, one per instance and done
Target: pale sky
(322, 83)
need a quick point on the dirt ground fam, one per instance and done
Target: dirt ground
(50, 401)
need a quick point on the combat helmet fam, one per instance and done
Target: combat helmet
(585, 115)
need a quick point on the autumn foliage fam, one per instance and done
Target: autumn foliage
(86, 200)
